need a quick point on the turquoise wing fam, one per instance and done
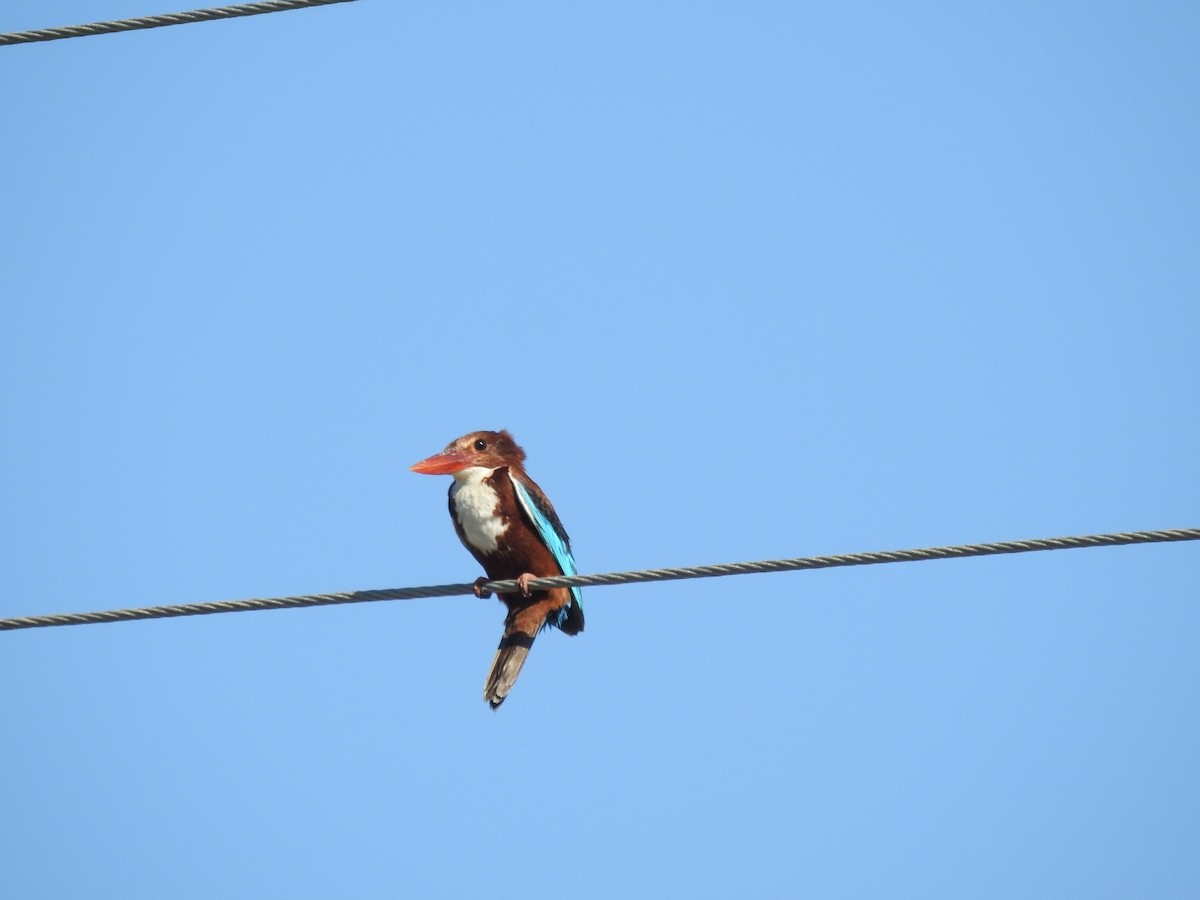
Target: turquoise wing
(551, 532)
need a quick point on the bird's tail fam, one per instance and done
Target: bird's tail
(506, 666)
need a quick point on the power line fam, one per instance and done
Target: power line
(744, 568)
(181, 18)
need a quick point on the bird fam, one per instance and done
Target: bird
(507, 523)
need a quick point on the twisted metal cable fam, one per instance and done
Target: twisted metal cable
(181, 18)
(509, 586)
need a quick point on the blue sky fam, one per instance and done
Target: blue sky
(746, 282)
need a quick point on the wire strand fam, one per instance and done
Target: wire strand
(611, 578)
(181, 18)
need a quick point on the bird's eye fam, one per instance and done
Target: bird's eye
(481, 445)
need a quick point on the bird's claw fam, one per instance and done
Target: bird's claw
(478, 588)
(523, 583)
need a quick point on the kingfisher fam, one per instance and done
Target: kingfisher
(505, 520)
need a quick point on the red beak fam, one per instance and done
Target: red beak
(445, 463)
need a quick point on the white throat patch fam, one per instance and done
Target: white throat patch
(477, 506)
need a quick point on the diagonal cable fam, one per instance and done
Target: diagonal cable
(181, 18)
(712, 571)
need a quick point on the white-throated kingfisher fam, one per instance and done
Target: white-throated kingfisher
(505, 520)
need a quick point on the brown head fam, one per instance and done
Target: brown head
(487, 449)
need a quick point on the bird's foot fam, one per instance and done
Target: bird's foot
(523, 583)
(478, 588)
